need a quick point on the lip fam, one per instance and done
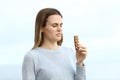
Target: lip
(58, 34)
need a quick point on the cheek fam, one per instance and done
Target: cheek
(49, 32)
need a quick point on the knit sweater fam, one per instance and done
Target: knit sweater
(59, 64)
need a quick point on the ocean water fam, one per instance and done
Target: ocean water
(106, 71)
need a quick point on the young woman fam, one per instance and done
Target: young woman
(48, 60)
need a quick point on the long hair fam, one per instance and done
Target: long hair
(41, 20)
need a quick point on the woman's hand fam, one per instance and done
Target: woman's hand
(81, 53)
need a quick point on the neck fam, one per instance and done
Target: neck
(50, 45)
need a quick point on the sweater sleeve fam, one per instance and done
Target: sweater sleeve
(80, 73)
(80, 70)
(28, 68)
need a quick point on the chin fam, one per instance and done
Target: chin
(58, 39)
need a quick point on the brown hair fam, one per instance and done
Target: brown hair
(41, 20)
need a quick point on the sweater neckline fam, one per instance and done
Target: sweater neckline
(48, 50)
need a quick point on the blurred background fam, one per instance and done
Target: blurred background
(96, 22)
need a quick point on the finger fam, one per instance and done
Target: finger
(83, 53)
(83, 46)
(83, 49)
(78, 45)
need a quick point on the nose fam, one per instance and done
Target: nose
(59, 28)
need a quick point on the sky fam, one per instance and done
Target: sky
(96, 22)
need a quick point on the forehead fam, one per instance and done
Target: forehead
(54, 19)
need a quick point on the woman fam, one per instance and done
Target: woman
(48, 60)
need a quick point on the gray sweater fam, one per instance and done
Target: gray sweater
(59, 64)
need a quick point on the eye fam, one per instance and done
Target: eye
(55, 25)
(61, 25)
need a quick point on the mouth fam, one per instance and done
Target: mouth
(59, 34)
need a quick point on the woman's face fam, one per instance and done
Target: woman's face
(53, 29)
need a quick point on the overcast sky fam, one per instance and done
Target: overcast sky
(97, 22)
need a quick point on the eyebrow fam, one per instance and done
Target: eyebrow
(57, 23)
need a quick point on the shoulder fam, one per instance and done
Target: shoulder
(67, 48)
(31, 54)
